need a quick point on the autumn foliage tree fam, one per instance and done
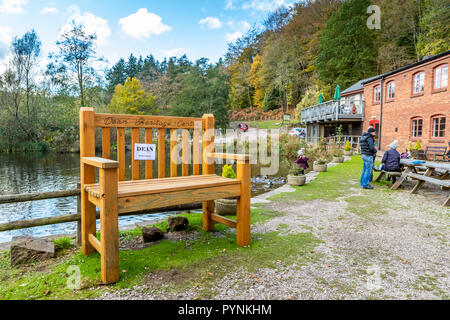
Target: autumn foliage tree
(131, 98)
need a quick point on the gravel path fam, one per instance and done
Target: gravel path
(400, 252)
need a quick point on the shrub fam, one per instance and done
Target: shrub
(338, 153)
(321, 161)
(228, 172)
(418, 146)
(296, 170)
(62, 243)
(348, 147)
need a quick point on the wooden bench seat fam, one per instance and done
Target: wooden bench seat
(443, 183)
(114, 195)
(146, 194)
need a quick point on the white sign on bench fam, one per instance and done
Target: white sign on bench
(144, 151)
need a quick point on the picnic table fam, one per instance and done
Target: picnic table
(435, 173)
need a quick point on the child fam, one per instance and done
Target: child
(302, 160)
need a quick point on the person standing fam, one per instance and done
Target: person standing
(368, 152)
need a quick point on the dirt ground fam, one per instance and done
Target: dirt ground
(376, 245)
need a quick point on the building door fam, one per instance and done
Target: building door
(376, 125)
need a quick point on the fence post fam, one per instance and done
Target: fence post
(79, 212)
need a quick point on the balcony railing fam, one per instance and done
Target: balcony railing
(333, 111)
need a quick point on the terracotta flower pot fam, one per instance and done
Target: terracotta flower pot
(226, 207)
(296, 181)
(338, 159)
(320, 167)
(348, 153)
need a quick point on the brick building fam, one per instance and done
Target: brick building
(410, 104)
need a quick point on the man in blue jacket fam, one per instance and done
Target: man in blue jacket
(368, 152)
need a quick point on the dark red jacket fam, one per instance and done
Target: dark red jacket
(302, 161)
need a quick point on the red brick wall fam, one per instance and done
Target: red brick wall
(398, 114)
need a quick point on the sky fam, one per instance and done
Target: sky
(164, 28)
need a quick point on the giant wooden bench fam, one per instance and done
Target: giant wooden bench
(113, 195)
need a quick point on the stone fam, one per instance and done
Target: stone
(27, 249)
(178, 223)
(152, 234)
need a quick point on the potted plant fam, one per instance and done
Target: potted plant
(348, 150)
(227, 206)
(338, 156)
(320, 165)
(296, 177)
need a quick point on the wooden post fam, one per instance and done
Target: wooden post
(109, 230)
(173, 153)
(243, 203)
(134, 163)
(161, 153)
(196, 148)
(87, 149)
(186, 151)
(148, 163)
(121, 152)
(79, 212)
(208, 168)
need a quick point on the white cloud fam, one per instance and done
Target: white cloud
(229, 5)
(211, 23)
(5, 40)
(175, 52)
(241, 28)
(91, 23)
(266, 5)
(231, 37)
(49, 10)
(143, 24)
(12, 6)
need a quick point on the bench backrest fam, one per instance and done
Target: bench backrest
(195, 152)
(438, 150)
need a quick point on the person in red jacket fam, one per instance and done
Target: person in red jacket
(302, 160)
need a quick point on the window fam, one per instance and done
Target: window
(377, 94)
(441, 77)
(419, 83)
(391, 90)
(438, 127)
(417, 125)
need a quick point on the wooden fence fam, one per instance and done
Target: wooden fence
(73, 217)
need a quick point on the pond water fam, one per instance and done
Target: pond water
(40, 172)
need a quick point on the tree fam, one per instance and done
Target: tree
(116, 75)
(77, 51)
(435, 25)
(130, 98)
(26, 51)
(347, 51)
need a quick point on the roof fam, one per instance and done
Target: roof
(407, 67)
(359, 86)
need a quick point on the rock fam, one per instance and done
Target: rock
(178, 223)
(152, 234)
(28, 249)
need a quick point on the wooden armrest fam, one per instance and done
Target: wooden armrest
(229, 156)
(100, 163)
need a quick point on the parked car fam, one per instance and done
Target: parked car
(298, 132)
(243, 127)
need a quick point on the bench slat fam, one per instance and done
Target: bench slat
(444, 183)
(184, 196)
(149, 163)
(144, 187)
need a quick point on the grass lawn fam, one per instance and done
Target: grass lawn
(267, 124)
(204, 259)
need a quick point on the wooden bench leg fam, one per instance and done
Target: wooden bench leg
(109, 230)
(401, 179)
(420, 183)
(243, 204)
(447, 202)
(88, 211)
(208, 210)
(381, 176)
